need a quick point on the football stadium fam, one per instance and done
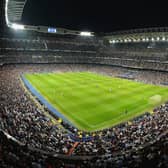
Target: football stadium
(74, 99)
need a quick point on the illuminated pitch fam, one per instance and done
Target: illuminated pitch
(93, 102)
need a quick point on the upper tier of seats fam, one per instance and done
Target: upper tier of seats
(146, 55)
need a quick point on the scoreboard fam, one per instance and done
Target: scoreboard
(52, 30)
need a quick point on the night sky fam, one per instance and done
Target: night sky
(97, 16)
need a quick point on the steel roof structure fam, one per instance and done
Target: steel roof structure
(146, 36)
(133, 35)
(13, 15)
(14, 11)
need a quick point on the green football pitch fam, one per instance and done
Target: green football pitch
(93, 101)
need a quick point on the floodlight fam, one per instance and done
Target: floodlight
(163, 38)
(17, 26)
(158, 38)
(153, 39)
(112, 41)
(86, 34)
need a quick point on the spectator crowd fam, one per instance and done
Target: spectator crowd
(37, 141)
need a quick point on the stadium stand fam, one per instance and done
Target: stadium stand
(35, 134)
(65, 51)
(30, 137)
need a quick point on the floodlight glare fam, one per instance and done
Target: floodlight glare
(6, 11)
(85, 34)
(17, 26)
(112, 41)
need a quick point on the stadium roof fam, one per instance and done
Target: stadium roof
(13, 16)
(14, 10)
(141, 35)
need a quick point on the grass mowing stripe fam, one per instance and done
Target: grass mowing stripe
(92, 101)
